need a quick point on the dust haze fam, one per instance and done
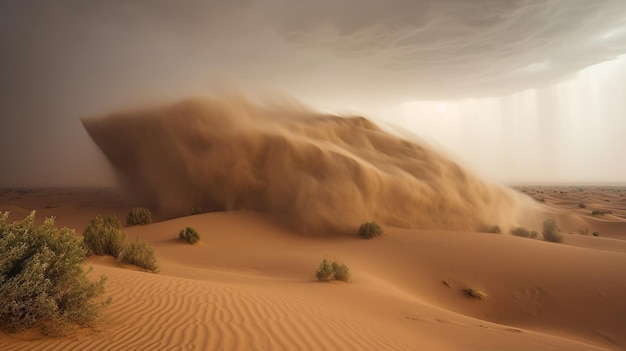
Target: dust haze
(521, 91)
(318, 172)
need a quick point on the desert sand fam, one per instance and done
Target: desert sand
(278, 189)
(249, 284)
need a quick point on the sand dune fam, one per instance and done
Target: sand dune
(249, 285)
(317, 172)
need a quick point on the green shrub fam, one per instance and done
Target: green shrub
(524, 233)
(369, 230)
(328, 271)
(475, 294)
(138, 215)
(521, 231)
(340, 271)
(139, 254)
(189, 235)
(551, 231)
(596, 233)
(324, 271)
(42, 281)
(582, 205)
(104, 236)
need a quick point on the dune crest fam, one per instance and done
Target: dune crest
(318, 172)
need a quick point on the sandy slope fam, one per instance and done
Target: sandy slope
(249, 285)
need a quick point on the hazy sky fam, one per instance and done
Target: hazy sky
(499, 84)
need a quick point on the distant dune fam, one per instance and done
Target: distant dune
(316, 171)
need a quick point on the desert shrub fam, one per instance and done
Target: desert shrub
(582, 205)
(140, 254)
(475, 294)
(103, 236)
(340, 271)
(524, 233)
(324, 271)
(551, 231)
(369, 230)
(328, 271)
(596, 233)
(189, 235)
(521, 231)
(42, 281)
(138, 215)
(600, 212)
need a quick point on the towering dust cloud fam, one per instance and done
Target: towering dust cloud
(320, 173)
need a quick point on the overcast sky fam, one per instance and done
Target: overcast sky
(501, 85)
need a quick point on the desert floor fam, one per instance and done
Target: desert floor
(249, 284)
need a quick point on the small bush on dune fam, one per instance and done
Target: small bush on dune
(104, 236)
(42, 280)
(138, 215)
(551, 231)
(328, 271)
(139, 254)
(582, 205)
(324, 271)
(369, 230)
(596, 233)
(524, 233)
(189, 235)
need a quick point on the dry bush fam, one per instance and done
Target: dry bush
(104, 236)
(328, 271)
(189, 235)
(551, 231)
(370, 230)
(42, 280)
(138, 215)
(524, 233)
(139, 254)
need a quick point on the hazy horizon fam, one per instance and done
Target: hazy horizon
(519, 92)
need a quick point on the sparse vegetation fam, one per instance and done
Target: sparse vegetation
(370, 230)
(475, 294)
(340, 271)
(42, 280)
(582, 205)
(139, 215)
(189, 235)
(104, 236)
(328, 271)
(140, 254)
(551, 231)
(596, 233)
(524, 233)
(601, 212)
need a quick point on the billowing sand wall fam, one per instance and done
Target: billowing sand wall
(318, 172)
